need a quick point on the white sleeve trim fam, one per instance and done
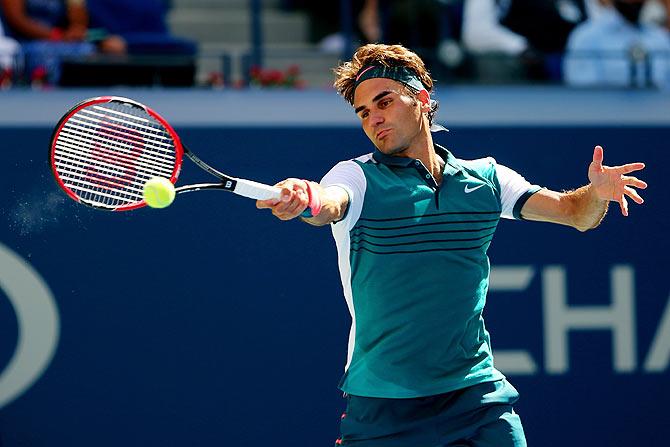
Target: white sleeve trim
(349, 176)
(512, 187)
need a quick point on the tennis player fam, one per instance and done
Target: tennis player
(412, 225)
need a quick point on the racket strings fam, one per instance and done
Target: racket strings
(105, 131)
(78, 143)
(122, 118)
(105, 153)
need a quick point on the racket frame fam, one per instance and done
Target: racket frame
(246, 188)
(178, 146)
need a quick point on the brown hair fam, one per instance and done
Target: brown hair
(378, 54)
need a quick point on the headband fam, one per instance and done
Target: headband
(397, 73)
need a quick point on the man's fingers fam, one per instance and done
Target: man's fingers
(630, 192)
(284, 203)
(292, 200)
(264, 204)
(291, 204)
(630, 167)
(286, 194)
(634, 181)
(623, 204)
(598, 155)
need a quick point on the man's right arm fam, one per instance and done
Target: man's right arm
(334, 203)
(295, 199)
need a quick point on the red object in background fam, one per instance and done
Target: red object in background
(39, 77)
(6, 76)
(276, 78)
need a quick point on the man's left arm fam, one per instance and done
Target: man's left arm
(585, 207)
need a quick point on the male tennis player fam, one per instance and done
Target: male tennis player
(412, 225)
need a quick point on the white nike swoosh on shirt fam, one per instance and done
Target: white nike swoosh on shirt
(468, 190)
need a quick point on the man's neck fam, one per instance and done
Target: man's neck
(424, 150)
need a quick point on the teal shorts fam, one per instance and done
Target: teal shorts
(478, 416)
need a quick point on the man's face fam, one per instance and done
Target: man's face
(390, 117)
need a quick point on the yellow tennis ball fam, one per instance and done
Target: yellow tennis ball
(158, 192)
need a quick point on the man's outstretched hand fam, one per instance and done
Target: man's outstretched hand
(612, 182)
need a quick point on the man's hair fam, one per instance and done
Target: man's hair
(378, 54)
(386, 55)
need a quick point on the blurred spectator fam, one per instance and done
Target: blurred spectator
(533, 32)
(369, 22)
(656, 11)
(616, 49)
(412, 23)
(142, 24)
(50, 30)
(432, 28)
(483, 33)
(325, 22)
(512, 26)
(9, 48)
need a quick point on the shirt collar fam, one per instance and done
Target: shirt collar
(451, 166)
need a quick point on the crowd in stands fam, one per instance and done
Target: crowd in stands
(37, 36)
(579, 42)
(630, 51)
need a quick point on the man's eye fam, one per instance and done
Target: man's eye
(385, 103)
(364, 115)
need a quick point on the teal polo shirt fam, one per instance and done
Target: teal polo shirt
(415, 274)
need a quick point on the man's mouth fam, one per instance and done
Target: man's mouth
(382, 133)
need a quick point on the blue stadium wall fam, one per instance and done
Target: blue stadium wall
(212, 323)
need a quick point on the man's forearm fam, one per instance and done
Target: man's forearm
(334, 202)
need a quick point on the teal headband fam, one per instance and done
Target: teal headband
(398, 73)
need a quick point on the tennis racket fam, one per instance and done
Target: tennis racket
(105, 149)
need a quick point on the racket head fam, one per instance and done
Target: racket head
(104, 149)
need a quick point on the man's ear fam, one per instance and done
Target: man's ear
(424, 98)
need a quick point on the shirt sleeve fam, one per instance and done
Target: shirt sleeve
(349, 176)
(514, 191)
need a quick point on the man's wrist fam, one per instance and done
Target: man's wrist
(599, 207)
(314, 207)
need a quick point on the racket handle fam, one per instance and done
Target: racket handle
(255, 190)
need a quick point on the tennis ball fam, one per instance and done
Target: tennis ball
(158, 192)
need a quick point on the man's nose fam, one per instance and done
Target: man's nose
(376, 118)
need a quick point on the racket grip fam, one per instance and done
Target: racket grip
(255, 190)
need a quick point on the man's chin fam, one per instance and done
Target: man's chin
(389, 150)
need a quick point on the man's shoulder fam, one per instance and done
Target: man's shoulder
(351, 167)
(478, 164)
(481, 168)
(357, 161)
(362, 160)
